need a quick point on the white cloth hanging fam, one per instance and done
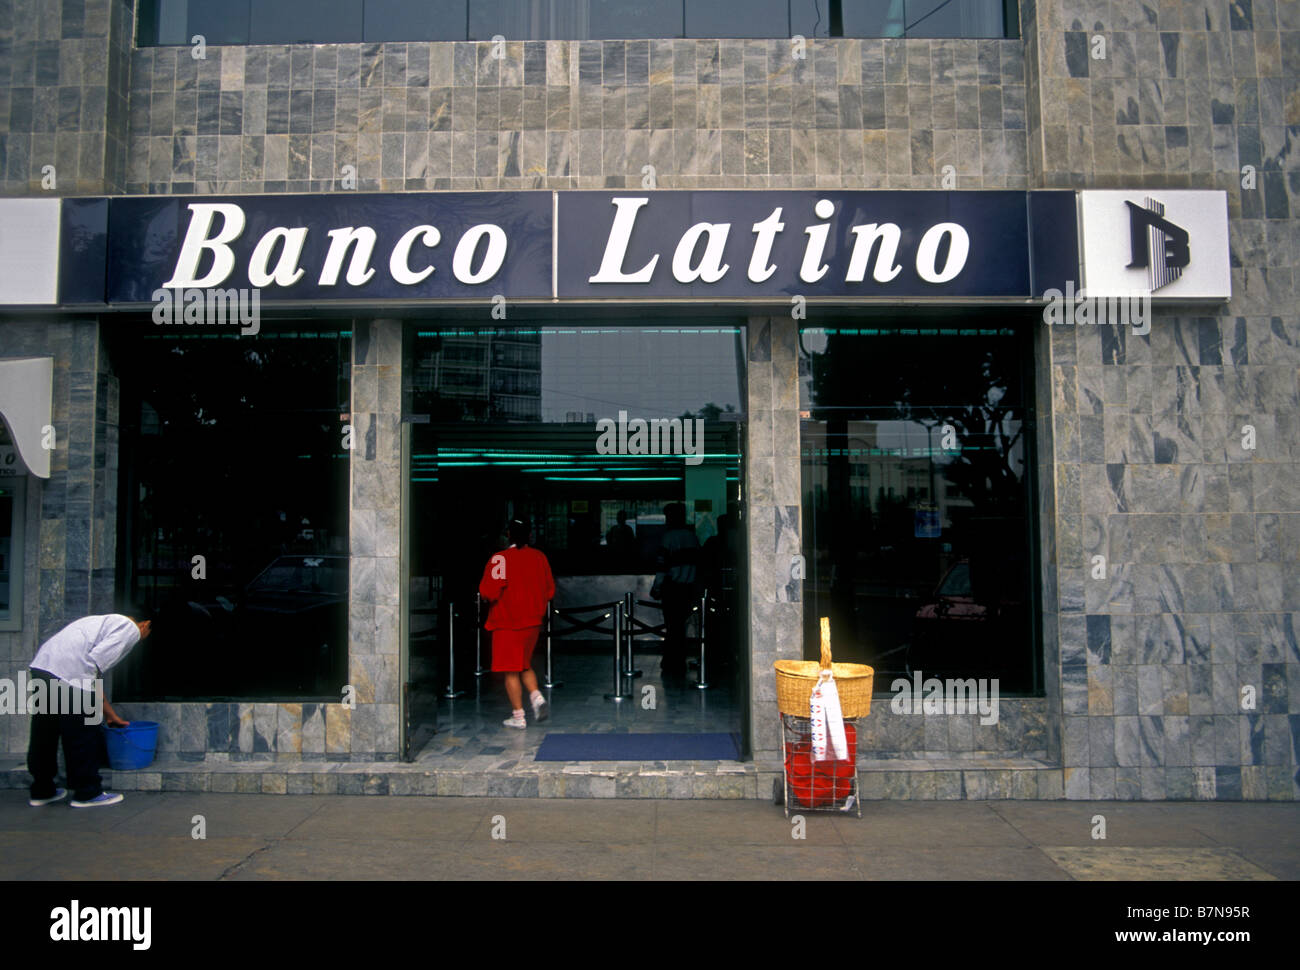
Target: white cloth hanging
(827, 719)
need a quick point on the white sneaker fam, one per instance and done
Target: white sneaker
(541, 710)
(512, 722)
(59, 795)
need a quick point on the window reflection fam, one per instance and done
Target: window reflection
(233, 451)
(916, 499)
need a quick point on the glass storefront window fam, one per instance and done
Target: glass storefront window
(918, 522)
(232, 450)
(519, 412)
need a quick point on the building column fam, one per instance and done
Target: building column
(374, 534)
(774, 520)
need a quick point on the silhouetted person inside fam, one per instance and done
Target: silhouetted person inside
(621, 541)
(518, 583)
(716, 556)
(678, 558)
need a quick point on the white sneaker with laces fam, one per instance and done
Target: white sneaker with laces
(541, 709)
(515, 722)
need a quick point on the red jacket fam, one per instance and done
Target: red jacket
(518, 584)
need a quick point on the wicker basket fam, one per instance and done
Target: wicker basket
(795, 680)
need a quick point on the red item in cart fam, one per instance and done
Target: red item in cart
(816, 784)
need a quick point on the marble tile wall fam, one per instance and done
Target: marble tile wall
(1177, 674)
(71, 516)
(570, 114)
(772, 509)
(64, 66)
(375, 538)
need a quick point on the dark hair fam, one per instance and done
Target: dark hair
(136, 611)
(519, 532)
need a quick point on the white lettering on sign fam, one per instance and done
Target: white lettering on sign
(928, 251)
(359, 270)
(760, 269)
(711, 268)
(881, 239)
(197, 240)
(886, 268)
(399, 265)
(277, 255)
(611, 265)
(462, 260)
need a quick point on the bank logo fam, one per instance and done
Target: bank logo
(1156, 244)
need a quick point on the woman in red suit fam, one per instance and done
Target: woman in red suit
(518, 583)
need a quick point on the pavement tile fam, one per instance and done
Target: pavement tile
(1113, 862)
(113, 857)
(1127, 823)
(928, 825)
(330, 859)
(368, 819)
(957, 862)
(739, 822)
(555, 820)
(226, 815)
(1280, 861)
(796, 861)
(549, 860)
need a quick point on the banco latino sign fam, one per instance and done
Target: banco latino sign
(663, 246)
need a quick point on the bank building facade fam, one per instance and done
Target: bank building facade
(969, 325)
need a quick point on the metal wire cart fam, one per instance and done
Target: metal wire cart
(808, 785)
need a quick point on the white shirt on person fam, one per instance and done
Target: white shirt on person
(86, 649)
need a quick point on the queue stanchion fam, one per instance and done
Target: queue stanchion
(703, 682)
(550, 682)
(618, 694)
(478, 635)
(629, 634)
(451, 693)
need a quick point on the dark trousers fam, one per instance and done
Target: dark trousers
(83, 750)
(677, 599)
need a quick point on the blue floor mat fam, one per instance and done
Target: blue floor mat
(638, 747)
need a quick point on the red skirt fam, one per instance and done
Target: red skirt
(512, 650)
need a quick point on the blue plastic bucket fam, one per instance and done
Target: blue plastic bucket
(132, 746)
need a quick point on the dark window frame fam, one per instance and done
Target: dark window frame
(147, 25)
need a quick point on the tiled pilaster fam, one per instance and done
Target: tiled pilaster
(774, 515)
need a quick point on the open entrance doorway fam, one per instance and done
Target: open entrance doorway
(603, 441)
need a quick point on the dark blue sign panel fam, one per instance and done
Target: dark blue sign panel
(874, 245)
(345, 246)
(462, 247)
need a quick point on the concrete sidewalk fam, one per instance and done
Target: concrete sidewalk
(148, 836)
